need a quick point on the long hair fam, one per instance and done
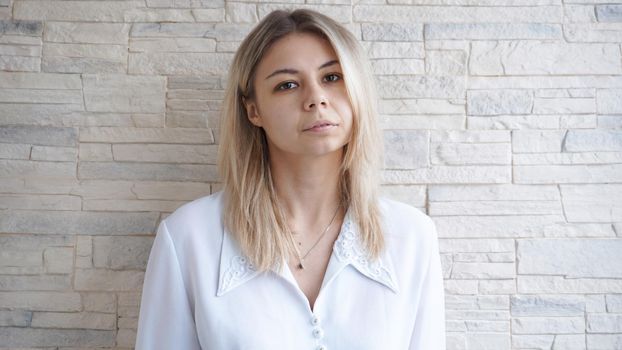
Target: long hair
(251, 211)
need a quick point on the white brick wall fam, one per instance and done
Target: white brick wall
(503, 122)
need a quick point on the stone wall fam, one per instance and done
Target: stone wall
(503, 121)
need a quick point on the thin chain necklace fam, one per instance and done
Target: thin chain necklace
(302, 258)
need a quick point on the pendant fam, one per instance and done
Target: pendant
(300, 267)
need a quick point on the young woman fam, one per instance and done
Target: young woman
(297, 251)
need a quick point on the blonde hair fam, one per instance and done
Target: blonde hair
(252, 213)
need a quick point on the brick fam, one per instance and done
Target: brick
(604, 323)
(86, 32)
(158, 15)
(40, 96)
(495, 102)
(572, 105)
(470, 154)
(487, 341)
(108, 280)
(398, 146)
(492, 31)
(170, 63)
(241, 13)
(14, 151)
(63, 154)
(58, 260)
(495, 226)
(125, 93)
(146, 135)
(569, 342)
(446, 62)
(537, 141)
(567, 158)
(469, 302)
(609, 13)
(35, 282)
(575, 258)
(495, 207)
(145, 171)
(166, 153)
(595, 303)
(448, 174)
(579, 13)
(209, 15)
(39, 337)
(547, 305)
(39, 135)
(74, 320)
(614, 303)
(185, 3)
(152, 45)
(379, 13)
(496, 287)
(100, 302)
(513, 122)
(16, 27)
(420, 86)
(121, 253)
(39, 202)
(95, 152)
(573, 230)
(483, 270)
(528, 341)
(507, 192)
(69, 222)
(37, 169)
(558, 174)
(592, 32)
(609, 101)
(593, 140)
(545, 325)
(40, 301)
(421, 106)
(592, 203)
(392, 32)
(17, 318)
(604, 341)
(94, 11)
(508, 58)
(394, 49)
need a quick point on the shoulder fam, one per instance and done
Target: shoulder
(199, 215)
(405, 222)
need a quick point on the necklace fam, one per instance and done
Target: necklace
(302, 258)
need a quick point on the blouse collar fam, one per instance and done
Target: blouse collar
(236, 268)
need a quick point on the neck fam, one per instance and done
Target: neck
(307, 187)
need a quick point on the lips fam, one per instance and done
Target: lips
(320, 124)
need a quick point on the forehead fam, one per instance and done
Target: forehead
(297, 50)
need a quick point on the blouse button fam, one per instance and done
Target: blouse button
(315, 321)
(318, 333)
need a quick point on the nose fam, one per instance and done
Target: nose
(316, 96)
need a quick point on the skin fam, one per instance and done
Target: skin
(304, 164)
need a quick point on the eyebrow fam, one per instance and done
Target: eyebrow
(294, 71)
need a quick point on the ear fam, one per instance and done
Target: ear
(252, 112)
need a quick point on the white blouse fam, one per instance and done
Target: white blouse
(201, 292)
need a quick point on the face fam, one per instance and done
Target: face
(301, 100)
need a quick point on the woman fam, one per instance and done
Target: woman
(297, 251)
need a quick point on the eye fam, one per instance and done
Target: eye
(336, 76)
(285, 84)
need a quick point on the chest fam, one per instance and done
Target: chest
(267, 312)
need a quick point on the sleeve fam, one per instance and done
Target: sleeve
(165, 320)
(429, 329)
